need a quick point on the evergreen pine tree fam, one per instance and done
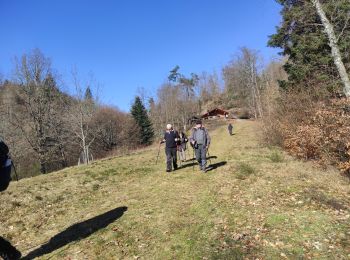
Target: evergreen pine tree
(88, 94)
(139, 113)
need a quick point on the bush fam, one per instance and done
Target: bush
(312, 129)
(276, 157)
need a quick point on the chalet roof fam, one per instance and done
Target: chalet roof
(214, 112)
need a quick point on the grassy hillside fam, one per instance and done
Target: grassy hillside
(256, 203)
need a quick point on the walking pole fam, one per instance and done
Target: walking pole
(158, 152)
(193, 160)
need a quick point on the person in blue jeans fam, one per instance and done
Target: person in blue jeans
(200, 141)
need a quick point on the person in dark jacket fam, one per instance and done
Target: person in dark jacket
(182, 146)
(200, 141)
(230, 128)
(171, 137)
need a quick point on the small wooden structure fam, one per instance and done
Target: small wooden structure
(215, 113)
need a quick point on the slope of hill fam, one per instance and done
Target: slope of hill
(256, 203)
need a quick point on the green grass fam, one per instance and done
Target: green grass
(259, 204)
(276, 156)
(244, 170)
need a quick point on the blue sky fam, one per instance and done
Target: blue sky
(129, 44)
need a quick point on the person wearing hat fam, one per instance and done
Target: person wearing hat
(171, 137)
(200, 141)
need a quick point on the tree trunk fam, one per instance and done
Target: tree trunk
(333, 44)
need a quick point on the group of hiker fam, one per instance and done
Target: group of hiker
(176, 142)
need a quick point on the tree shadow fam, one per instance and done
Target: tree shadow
(77, 231)
(216, 165)
(8, 251)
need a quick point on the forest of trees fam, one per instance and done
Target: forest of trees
(310, 114)
(55, 129)
(47, 129)
(300, 98)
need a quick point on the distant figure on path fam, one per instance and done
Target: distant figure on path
(200, 141)
(170, 139)
(230, 128)
(182, 146)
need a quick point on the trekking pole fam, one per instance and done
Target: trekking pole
(14, 168)
(193, 161)
(158, 152)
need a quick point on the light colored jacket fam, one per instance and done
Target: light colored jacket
(207, 138)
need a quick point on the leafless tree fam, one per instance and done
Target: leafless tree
(81, 114)
(35, 109)
(242, 82)
(333, 43)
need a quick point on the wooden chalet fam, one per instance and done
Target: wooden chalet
(215, 113)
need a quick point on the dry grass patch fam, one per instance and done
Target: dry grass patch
(253, 205)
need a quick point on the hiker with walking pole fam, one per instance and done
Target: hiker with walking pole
(171, 137)
(200, 141)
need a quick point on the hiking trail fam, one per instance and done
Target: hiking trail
(256, 202)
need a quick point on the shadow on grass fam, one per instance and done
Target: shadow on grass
(8, 251)
(208, 158)
(183, 166)
(216, 165)
(77, 231)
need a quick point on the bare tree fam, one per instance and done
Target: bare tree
(333, 43)
(35, 102)
(81, 114)
(242, 82)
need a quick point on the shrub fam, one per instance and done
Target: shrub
(312, 129)
(276, 157)
(244, 170)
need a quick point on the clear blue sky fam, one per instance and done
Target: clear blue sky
(129, 44)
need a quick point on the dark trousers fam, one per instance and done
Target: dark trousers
(171, 158)
(201, 156)
(5, 177)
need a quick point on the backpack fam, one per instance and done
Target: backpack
(199, 136)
